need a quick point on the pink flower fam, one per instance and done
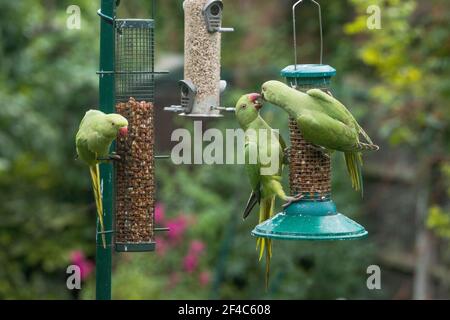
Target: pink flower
(159, 213)
(86, 266)
(174, 279)
(204, 278)
(197, 247)
(177, 227)
(190, 263)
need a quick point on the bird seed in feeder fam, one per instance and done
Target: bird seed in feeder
(202, 58)
(135, 175)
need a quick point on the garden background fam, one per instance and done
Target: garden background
(394, 79)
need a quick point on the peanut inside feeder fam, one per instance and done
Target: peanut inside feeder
(135, 178)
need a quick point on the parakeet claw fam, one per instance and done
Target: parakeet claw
(115, 157)
(291, 200)
(112, 157)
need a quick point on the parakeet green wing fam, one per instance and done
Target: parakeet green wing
(334, 108)
(253, 173)
(323, 121)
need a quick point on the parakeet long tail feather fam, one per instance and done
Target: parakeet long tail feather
(354, 162)
(95, 177)
(263, 244)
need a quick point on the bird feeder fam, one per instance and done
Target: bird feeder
(315, 216)
(201, 87)
(135, 172)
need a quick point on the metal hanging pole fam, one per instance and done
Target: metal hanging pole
(295, 31)
(106, 103)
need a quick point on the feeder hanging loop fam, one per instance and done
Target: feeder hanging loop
(295, 31)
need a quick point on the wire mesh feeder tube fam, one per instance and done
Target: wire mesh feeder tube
(310, 169)
(135, 172)
(135, 74)
(135, 179)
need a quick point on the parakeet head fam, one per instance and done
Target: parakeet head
(270, 90)
(247, 108)
(116, 124)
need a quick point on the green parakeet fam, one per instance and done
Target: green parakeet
(94, 137)
(324, 122)
(265, 185)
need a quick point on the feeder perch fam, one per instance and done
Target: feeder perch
(315, 216)
(201, 88)
(135, 172)
(213, 16)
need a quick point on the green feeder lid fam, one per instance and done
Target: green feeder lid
(308, 71)
(310, 220)
(309, 74)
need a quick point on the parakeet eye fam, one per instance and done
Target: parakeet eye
(244, 106)
(112, 123)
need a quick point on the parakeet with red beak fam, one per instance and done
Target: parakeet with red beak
(324, 122)
(265, 186)
(95, 135)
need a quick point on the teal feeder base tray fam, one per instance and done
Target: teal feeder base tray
(310, 220)
(135, 247)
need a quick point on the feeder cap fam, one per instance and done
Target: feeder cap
(310, 220)
(308, 71)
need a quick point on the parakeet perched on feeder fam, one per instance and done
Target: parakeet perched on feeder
(94, 137)
(324, 122)
(264, 186)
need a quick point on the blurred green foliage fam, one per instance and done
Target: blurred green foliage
(48, 80)
(411, 57)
